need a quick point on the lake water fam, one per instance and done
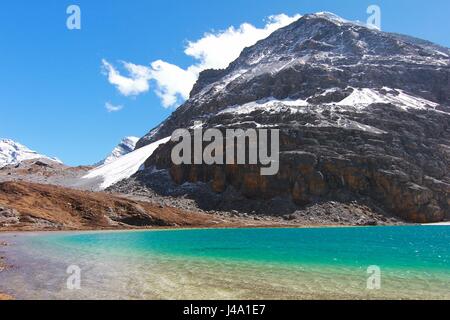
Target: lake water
(322, 263)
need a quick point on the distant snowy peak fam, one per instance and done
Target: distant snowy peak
(126, 146)
(13, 153)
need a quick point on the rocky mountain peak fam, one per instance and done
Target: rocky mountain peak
(362, 114)
(324, 40)
(320, 58)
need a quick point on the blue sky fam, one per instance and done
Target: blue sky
(54, 87)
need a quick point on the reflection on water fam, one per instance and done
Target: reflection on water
(232, 264)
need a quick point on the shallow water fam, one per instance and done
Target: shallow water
(328, 263)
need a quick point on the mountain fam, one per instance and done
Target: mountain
(126, 146)
(13, 153)
(364, 116)
(319, 59)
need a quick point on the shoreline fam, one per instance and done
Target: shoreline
(4, 267)
(31, 232)
(268, 226)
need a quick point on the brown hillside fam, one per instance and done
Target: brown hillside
(28, 206)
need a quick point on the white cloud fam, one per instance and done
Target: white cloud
(135, 84)
(215, 50)
(113, 108)
(173, 84)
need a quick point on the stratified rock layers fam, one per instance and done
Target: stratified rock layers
(404, 170)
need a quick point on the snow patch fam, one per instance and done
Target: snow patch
(354, 125)
(270, 105)
(122, 168)
(359, 99)
(332, 17)
(364, 97)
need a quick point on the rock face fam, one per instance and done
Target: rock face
(361, 113)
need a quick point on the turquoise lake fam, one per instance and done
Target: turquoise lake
(318, 263)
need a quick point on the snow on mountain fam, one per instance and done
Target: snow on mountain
(366, 97)
(13, 153)
(124, 167)
(359, 98)
(126, 146)
(270, 105)
(332, 17)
